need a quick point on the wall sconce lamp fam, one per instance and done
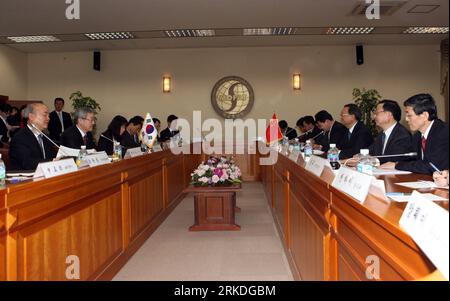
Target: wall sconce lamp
(167, 84)
(297, 81)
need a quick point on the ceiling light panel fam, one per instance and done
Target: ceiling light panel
(33, 39)
(124, 35)
(427, 30)
(349, 30)
(273, 31)
(189, 33)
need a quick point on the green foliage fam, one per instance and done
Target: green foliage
(80, 101)
(367, 101)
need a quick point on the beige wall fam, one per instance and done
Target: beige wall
(13, 73)
(130, 81)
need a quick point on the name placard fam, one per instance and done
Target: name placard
(133, 152)
(428, 225)
(353, 183)
(294, 155)
(316, 165)
(97, 159)
(55, 168)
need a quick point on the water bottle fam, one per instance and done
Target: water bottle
(81, 155)
(333, 156)
(366, 163)
(117, 152)
(297, 144)
(308, 150)
(2, 171)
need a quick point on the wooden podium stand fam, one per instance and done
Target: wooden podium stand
(215, 208)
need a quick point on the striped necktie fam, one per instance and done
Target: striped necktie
(41, 144)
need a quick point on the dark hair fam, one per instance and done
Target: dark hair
(309, 120)
(13, 108)
(114, 127)
(422, 103)
(136, 120)
(354, 110)
(300, 122)
(322, 116)
(4, 107)
(171, 118)
(283, 124)
(393, 107)
(155, 120)
(59, 99)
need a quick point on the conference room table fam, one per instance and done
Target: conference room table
(102, 215)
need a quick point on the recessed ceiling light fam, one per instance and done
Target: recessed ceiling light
(349, 30)
(189, 33)
(272, 31)
(429, 30)
(34, 39)
(110, 35)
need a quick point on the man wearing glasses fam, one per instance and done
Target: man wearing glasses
(395, 138)
(80, 134)
(430, 140)
(358, 135)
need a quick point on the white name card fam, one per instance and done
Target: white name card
(97, 159)
(133, 152)
(428, 224)
(294, 155)
(55, 168)
(353, 183)
(316, 165)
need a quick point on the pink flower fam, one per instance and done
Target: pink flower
(215, 179)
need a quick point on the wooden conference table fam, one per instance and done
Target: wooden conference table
(104, 214)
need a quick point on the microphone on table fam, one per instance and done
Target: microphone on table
(412, 154)
(112, 141)
(41, 133)
(318, 135)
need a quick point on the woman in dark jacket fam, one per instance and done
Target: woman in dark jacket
(114, 132)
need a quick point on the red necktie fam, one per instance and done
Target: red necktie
(424, 144)
(85, 139)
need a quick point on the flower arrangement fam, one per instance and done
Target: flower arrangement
(216, 171)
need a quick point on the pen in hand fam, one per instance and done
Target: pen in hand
(435, 168)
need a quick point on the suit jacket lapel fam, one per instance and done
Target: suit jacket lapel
(37, 147)
(391, 137)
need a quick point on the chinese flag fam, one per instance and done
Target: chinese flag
(273, 131)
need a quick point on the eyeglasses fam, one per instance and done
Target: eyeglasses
(377, 112)
(90, 120)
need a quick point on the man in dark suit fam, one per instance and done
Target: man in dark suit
(333, 132)
(299, 126)
(431, 139)
(81, 133)
(287, 131)
(395, 138)
(310, 130)
(28, 146)
(358, 135)
(171, 129)
(130, 137)
(59, 120)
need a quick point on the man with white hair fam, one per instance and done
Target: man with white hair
(28, 146)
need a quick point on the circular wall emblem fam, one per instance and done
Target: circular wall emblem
(232, 97)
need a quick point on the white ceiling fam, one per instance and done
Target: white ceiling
(39, 17)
